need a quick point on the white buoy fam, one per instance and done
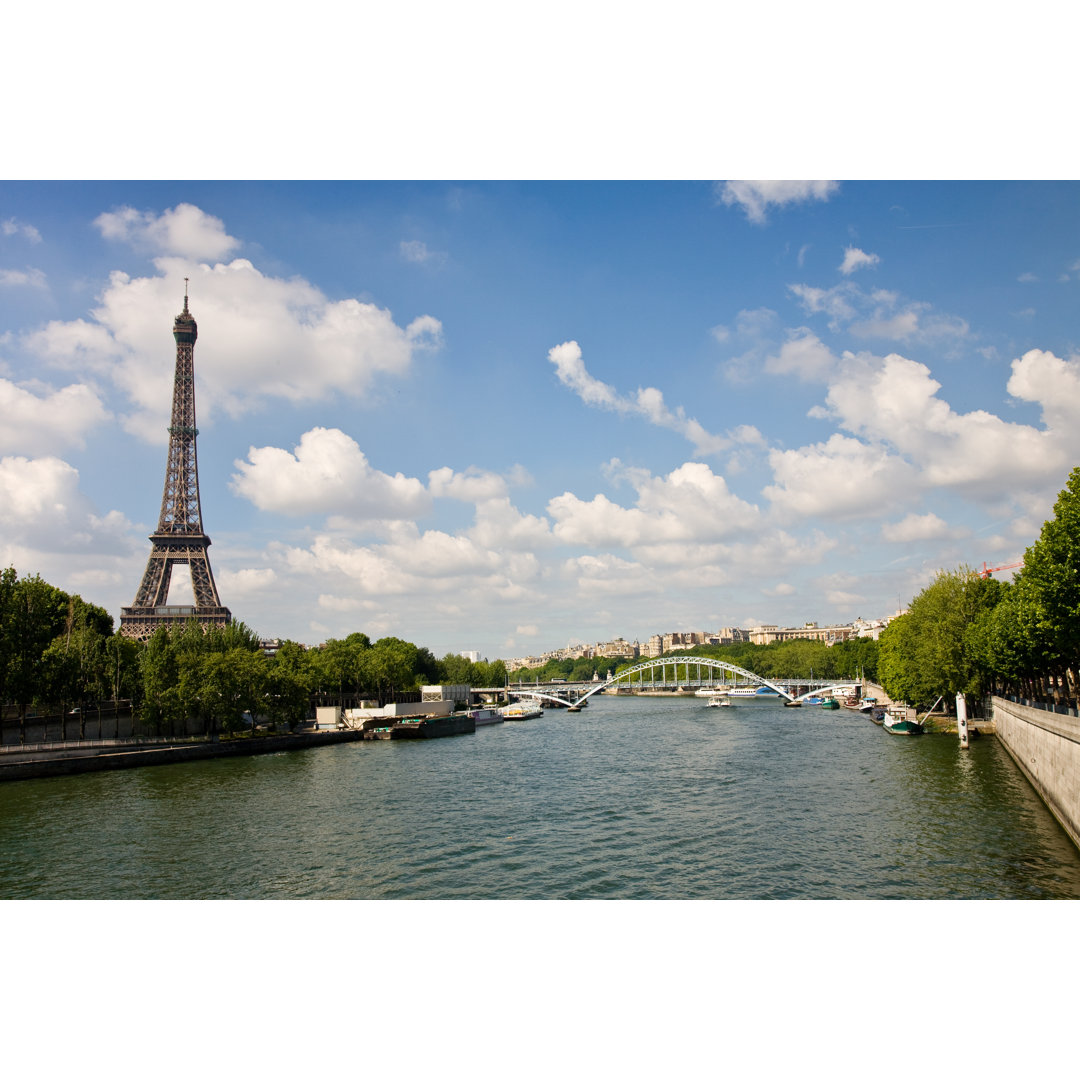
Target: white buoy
(961, 720)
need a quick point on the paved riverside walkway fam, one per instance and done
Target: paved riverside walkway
(70, 758)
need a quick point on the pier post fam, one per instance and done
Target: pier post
(961, 720)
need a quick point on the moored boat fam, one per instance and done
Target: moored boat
(520, 711)
(486, 716)
(896, 722)
(830, 703)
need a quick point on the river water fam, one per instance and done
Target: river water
(637, 798)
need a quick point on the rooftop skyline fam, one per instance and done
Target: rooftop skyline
(495, 416)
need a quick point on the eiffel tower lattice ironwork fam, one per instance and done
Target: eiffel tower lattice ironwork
(179, 537)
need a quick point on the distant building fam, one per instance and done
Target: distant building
(658, 644)
(687, 639)
(766, 635)
(619, 649)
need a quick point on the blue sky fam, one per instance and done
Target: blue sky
(505, 416)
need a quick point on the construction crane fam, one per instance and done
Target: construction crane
(986, 571)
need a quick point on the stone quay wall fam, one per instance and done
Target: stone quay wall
(69, 759)
(1046, 746)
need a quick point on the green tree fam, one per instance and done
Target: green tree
(9, 579)
(290, 682)
(38, 613)
(340, 667)
(73, 667)
(427, 667)
(392, 665)
(928, 651)
(159, 671)
(1051, 580)
(122, 663)
(455, 670)
(231, 684)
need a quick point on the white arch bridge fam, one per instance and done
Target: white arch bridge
(700, 662)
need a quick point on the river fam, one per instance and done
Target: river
(639, 798)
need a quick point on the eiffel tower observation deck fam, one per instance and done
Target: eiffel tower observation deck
(179, 537)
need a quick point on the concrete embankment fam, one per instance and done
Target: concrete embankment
(1046, 746)
(68, 759)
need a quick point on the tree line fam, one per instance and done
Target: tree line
(966, 634)
(59, 653)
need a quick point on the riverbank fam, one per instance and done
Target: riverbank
(934, 723)
(69, 759)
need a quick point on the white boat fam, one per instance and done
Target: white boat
(718, 703)
(520, 711)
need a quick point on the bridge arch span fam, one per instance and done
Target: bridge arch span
(701, 661)
(839, 688)
(538, 696)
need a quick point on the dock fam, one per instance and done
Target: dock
(69, 759)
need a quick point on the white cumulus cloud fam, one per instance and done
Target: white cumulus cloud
(857, 259)
(473, 485)
(45, 511)
(917, 527)
(327, 473)
(648, 402)
(896, 401)
(247, 582)
(756, 196)
(1052, 383)
(803, 355)
(840, 478)
(690, 504)
(570, 367)
(37, 422)
(260, 338)
(184, 230)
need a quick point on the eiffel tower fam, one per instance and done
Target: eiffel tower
(179, 537)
